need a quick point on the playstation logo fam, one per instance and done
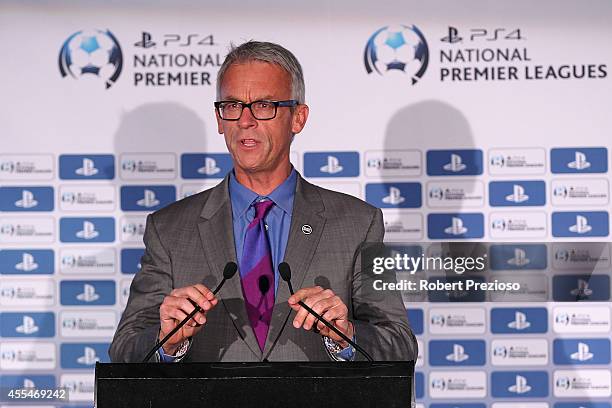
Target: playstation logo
(520, 385)
(394, 197)
(455, 165)
(583, 353)
(519, 259)
(456, 227)
(146, 41)
(580, 162)
(458, 355)
(210, 167)
(88, 231)
(582, 290)
(89, 357)
(582, 225)
(518, 195)
(520, 321)
(333, 166)
(87, 169)
(89, 294)
(27, 200)
(149, 200)
(28, 326)
(28, 383)
(27, 264)
(453, 36)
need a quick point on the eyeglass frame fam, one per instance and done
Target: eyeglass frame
(289, 103)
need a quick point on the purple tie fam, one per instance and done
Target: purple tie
(257, 274)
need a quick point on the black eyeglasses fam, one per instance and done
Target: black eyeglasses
(261, 110)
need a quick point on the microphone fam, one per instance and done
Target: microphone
(228, 272)
(264, 284)
(285, 272)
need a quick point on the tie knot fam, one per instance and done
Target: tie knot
(262, 208)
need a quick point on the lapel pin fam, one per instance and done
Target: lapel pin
(306, 229)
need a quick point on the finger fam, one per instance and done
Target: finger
(198, 293)
(341, 325)
(320, 308)
(179, 314)
(303, 314)
(337, 315)
(183, 304)
(304, 293)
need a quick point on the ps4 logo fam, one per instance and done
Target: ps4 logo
(458, 355)
(485, 34)
(458, 162)
(26, 198)
(93, 166)
(27, 264)
(210, 167)
(28, 326)
(99, 292)
(394, 195)
(520, 385)
(583, 353)
(331, 164)
(89, 357)
(579, 160)
(179, 40)
(580, 224)
(205, 165)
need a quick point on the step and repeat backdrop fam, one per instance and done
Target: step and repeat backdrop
(475, 120)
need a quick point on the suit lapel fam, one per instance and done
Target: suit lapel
(307, 211)
(217, 236)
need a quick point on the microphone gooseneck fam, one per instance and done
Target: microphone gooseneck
(285, 272)
(228, 272)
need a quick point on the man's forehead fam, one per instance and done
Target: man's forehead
(262, 78)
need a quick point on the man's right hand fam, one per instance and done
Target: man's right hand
(176, 306)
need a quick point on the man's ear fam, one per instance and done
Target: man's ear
(300, 116)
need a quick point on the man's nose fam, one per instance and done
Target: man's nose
(247, 120)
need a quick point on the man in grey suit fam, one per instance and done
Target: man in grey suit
(318, 232)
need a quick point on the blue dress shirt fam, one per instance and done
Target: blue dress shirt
(278, 223)
(278, 219)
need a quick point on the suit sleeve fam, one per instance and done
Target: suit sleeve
(380, 319)
(139, 325)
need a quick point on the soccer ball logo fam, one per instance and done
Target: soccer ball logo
(91, 54)
(397, 49)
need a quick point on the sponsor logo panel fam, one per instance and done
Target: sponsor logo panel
(455, 194)
(393, 163)
(27, 262)
(87, 167)
(582, 383)
(27, 355)
(524, 161)
(147, 166)
(87, 198)
(26, 167)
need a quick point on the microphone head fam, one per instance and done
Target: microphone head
(230, 270)
(264, 284)
(284, 271)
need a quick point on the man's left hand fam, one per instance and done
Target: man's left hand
(327, 304)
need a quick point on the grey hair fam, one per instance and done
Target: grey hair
(266, 52)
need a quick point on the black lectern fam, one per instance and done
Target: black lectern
(262, 385)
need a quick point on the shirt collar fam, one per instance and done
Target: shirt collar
(242, 197)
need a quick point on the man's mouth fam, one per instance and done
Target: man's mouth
(248, 142)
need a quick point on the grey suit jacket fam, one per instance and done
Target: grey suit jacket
(191, 240)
